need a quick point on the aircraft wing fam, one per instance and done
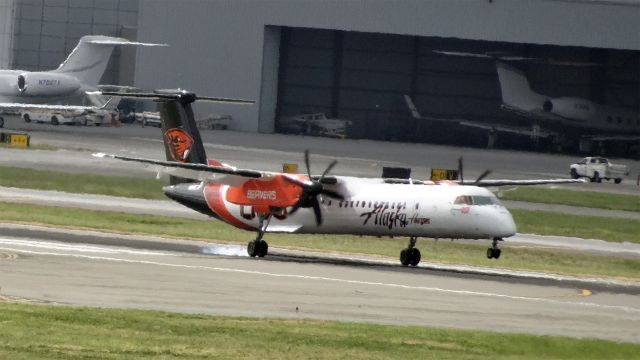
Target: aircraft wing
(226, 175)
(528, 131)
(68, 110)
(491, 183)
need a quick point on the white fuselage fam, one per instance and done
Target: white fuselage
(379, 209)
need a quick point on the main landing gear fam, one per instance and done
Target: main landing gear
(410, 255)
(259, 247)
(493, 252)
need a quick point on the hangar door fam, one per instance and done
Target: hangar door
(362, 77)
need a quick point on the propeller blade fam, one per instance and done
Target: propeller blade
(326, 171)
(294, 209)
(482, 176)
(295, 181)
(460, 174)
(317, 212)
(306, 162)
(332, 194)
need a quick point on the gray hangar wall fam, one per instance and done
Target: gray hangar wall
(232, 48)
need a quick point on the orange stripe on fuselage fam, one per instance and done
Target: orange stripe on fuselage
(213, 193)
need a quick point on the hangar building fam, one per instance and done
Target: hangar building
(356, 59)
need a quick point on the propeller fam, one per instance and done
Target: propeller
(311, 189)
(461, 176)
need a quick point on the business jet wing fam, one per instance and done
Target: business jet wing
(508, 56)
(491, 127)
(75, 109)
(70, 108)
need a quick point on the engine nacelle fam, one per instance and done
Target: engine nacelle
(46, 84)
(571, 108)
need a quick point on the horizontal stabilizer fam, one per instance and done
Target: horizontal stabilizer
(176, 94)
(120, 41)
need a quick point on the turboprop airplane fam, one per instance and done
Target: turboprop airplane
(57, 89)
(264, 201)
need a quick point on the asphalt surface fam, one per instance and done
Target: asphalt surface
(50, 267)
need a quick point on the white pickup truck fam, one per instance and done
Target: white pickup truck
(598, 168)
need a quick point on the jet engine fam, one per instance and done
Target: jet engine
(570, 108)
(46, 84)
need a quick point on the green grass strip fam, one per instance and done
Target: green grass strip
(60, 332)
(125, 186)
(589, 199)
(442, 251)
(588, 227)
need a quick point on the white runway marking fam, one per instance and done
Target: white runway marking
(337, 280)
(77, 247)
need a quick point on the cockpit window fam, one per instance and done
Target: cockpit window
(463, 200)
(476, 200)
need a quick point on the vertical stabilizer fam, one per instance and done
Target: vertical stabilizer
(88, 61)
(182, 141)
(515, 89)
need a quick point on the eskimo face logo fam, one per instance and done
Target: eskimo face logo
(179, 144)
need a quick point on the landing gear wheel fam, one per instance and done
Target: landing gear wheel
(410, 255)
(27, 118)
(263, 248)
(252, 248)
(1, 121)
(405, 259)
(54, 120)
(494, 252)
(415, 256)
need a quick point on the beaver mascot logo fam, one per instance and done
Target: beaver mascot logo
(179, 144)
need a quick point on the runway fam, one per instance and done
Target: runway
(173, 277)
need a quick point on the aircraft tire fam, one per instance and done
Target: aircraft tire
(405, 259)
(1, 122)
(263, 248)
(493, 253)
(415, 256)
(252, 248)
(26, 118)
(490, 253)
(54, 120)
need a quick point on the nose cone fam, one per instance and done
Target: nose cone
(506, 226)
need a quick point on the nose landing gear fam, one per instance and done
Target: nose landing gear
(494, 252)
(410, 255)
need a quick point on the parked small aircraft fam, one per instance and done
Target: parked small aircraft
(264, 201)
(57, 89)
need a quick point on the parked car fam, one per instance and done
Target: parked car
(598, 168)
